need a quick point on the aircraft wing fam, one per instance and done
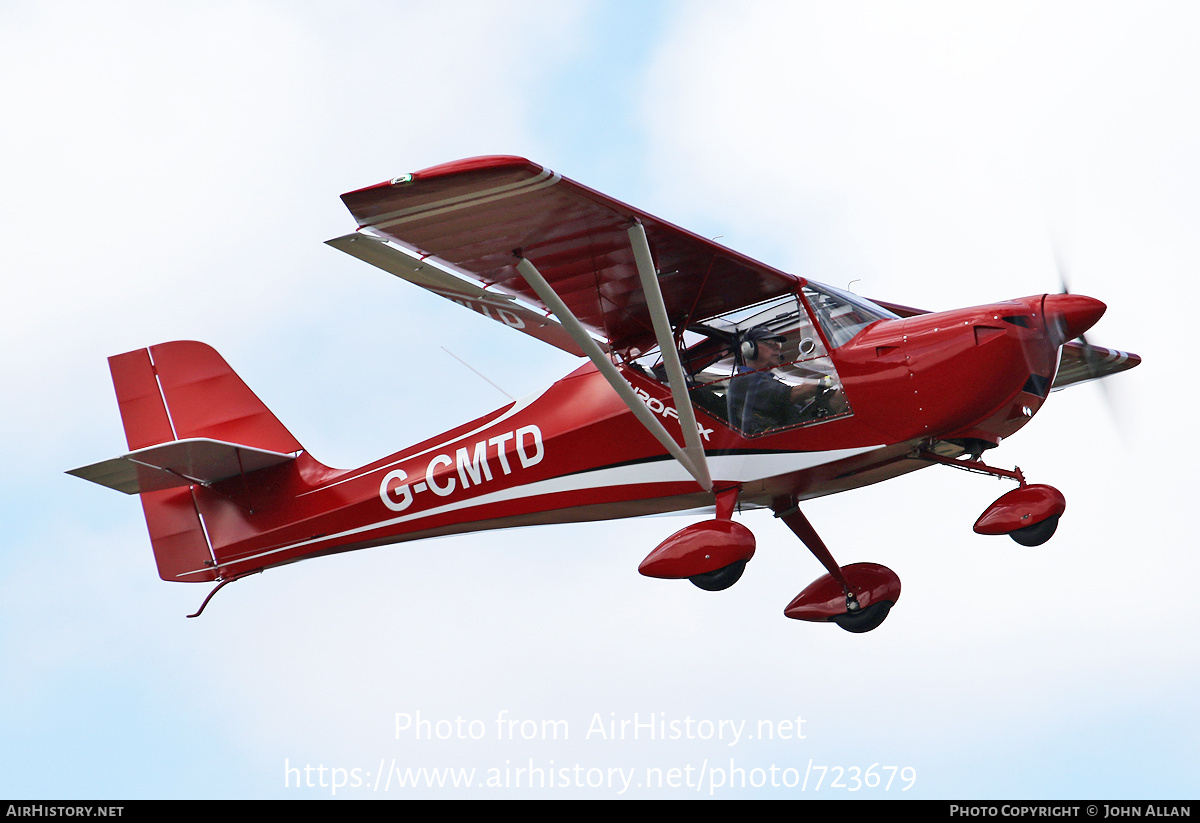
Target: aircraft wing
(1080, 363)
(898, 309)
(474, 217)
(496, 305)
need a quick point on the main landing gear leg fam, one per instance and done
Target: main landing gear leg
(722, 578)
(857, 597)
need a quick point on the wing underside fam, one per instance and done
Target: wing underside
(618, 281)
(475, 217)
(499, 306)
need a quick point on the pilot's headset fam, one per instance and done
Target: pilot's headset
(748, 348)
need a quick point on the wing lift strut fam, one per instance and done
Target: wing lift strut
(712, 554)
(691, 454)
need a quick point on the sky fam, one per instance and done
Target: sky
(171, 171)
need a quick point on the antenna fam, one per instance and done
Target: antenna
(472, 368)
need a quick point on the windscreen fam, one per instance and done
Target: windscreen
(842, 315)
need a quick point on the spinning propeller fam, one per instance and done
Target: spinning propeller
(1096, 360)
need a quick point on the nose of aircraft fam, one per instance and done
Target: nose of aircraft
(1070, 315)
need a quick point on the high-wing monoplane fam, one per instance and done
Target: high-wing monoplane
(712, 382)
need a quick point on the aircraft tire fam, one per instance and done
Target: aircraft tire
(866, 619)
(720, 579)
(1037, 534)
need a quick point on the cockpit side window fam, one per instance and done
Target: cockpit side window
(761, 369)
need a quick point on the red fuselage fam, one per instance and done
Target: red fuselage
(575, 452)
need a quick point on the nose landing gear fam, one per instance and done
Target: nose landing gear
(1028, 514)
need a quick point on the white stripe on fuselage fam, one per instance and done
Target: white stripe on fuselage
(740, 468)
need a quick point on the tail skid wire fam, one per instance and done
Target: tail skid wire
(220, 586)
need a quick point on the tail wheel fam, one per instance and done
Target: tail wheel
(721, 579)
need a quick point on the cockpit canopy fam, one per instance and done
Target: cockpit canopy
(731, 376)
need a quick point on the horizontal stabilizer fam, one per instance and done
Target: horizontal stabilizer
(180, 463)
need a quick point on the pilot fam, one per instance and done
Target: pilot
(758, 400)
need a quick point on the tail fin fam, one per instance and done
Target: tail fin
(189, 419)
(184, 390)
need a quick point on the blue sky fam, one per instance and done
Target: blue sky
(172, 173)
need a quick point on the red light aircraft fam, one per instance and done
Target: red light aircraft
(713, 381)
